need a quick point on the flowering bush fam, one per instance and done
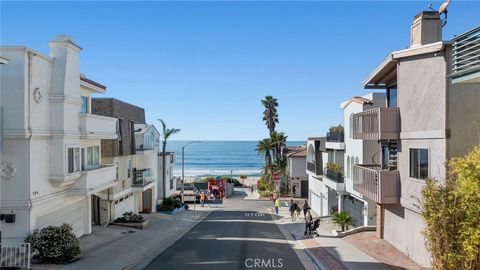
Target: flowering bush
(55, 244)
(129, 217)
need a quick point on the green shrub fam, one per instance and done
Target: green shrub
(170, 204)
(336, 129)
(264, 185)
(129, 217)
(451, 210)
(342, 219)
(334, 167)
(55, 244)
(266, 193)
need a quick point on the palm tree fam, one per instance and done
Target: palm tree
(270, 115)
(166, 132)
(342, 219)
(280, 141)
(264, 147)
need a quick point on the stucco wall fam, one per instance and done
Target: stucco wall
(403, 229)
(421, 93)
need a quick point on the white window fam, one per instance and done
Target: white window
(418, 163)
(73, 158)
(93, 156)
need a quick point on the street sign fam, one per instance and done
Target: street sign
(276, 178)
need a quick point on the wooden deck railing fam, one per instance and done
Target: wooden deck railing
(377, 124)
(381, 186)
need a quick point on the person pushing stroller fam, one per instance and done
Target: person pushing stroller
(311, 225)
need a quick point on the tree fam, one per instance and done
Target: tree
(166, 133)
(263, 148)
(270, 115)
(451, 210)
(342, 219)
(280, 141)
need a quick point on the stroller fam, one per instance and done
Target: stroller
(312, 230)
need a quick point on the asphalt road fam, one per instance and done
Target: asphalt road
(231, 238)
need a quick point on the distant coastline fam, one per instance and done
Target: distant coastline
(212, 158)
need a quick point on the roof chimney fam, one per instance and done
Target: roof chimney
(426, 28)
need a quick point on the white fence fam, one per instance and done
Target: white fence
(15, 255)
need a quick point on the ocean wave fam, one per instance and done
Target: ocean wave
(214, 172)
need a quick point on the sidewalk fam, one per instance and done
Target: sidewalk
(327, 251)
(115, 247)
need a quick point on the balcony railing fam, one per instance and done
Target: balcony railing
(335, 137)
(381, 186)
(16, 255)
(466, 53)
(95, 180)
(142, 178)
(335, 176)
(98, 126)
(377, 124)
(314, 168)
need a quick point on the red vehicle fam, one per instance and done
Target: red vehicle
(216, 188)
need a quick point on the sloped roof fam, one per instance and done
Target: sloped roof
(360, 100)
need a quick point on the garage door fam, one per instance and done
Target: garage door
(355, 208)
(316, 203)
(72, 214)
(124, 205)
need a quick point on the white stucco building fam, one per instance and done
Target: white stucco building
(170, 181)
(362, 209)
(296, 172)
(52, 140)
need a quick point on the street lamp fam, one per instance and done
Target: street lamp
(183, 167)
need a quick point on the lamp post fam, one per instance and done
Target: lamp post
(183, 167)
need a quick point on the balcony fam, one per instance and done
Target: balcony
(95, 180)
(466, 57)
(334, 180)
(142, 179)
(381, 186)
(314, 168)
(335, 137)
(97, 126)
(377, 124)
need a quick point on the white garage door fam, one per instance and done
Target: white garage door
(315, 203)
(72, 214)
(126, 205)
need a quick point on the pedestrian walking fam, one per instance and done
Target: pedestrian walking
(305, 207)
(277, 205)
(202, 198)
(251, 189)
(293, 209)
(308, 223)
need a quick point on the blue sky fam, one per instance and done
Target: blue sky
(204, 66)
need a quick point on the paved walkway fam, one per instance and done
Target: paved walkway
(115, 247)
(327, 251)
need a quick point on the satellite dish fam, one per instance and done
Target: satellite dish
(443, 7)
(443, 10)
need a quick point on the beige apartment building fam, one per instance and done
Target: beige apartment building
(432, 114)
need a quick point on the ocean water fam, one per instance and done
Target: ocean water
(211, 158)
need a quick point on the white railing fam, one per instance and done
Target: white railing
(98, 126)
(466, 52)
(15, 255)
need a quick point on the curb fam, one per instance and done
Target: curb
(142, 261)
(293, 241)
